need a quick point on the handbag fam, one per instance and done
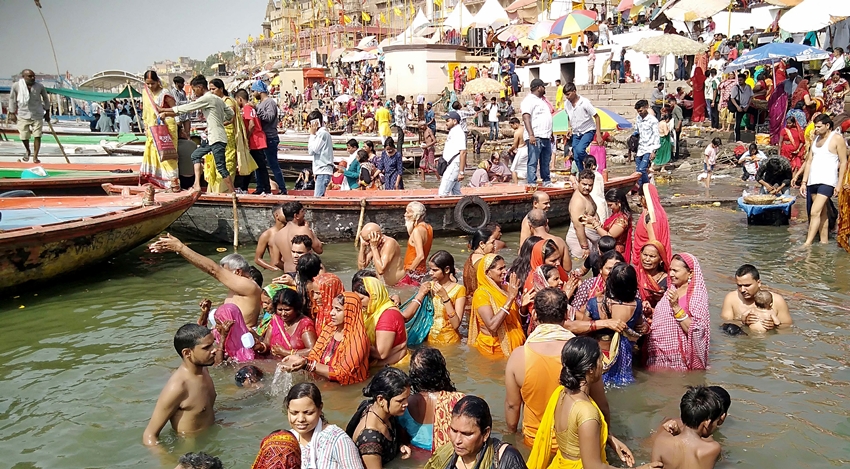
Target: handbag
(443, 165)
(161, 136)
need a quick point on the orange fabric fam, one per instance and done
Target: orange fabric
(349, 363)
(843, 235)
(277, 451)
(537, 387)
(329, 286)
(410, 254)
(443, 417)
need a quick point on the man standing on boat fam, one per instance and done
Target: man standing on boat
(28, 107)
(537, 121)
(454, 154)
(268, 112)
(321, 150)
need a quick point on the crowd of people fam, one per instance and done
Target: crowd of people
(570, 317)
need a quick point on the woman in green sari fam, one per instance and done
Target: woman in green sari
(664, 152)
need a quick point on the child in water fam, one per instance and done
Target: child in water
(693, 446)
(764, 309)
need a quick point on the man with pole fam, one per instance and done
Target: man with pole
(29, 106)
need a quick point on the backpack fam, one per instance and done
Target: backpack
(443, 165)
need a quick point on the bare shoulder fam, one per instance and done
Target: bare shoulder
(176, 386)
(515, 363)
(708, 453)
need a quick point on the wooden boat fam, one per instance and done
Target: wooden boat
(82, 136)
(64, 181)
(44, 237)
(336, 215)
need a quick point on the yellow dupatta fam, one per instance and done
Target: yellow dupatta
(542, 457)
(509, 335)
(442, 332)
(379, 301)
(245, 164)
(158, 173)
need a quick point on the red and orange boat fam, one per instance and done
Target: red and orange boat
(68, 179)
(338, 214)
(44, 237)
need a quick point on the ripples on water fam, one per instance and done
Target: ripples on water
(84, 361)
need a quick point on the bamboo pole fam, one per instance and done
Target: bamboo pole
(235, 223)
(360, 223)
(61, 148)
(135, 111)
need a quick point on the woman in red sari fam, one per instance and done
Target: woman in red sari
(652, 225)
(290, 332)
(619, 224)
(545, 252)
(698, 84)
(793, 143)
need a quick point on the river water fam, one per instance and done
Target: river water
(83, 359)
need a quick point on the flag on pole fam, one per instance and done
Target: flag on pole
(346, 19)
(439, 3)
(412, 11)
(397, 12)
(365, 17)
(382, 18)
(38, 3)
(330, 3)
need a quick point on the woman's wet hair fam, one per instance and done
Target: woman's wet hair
(248, 373)
(622, 284)
(604, 258)
(579, 356)
(444, 260)
(428, 371)
(288, 297)
(387, 383)
(302, 390)
(549, 248)
(476, 409)
(481, 235)
(614, 195)
(522, 264)
(357, 280)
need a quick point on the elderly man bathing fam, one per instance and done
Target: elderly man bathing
(382, 251)
(418, 245)
(232, 272)
(539, 201)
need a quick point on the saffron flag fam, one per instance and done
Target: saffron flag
(412, 11)
(365, 17)
(439, 3)
(346, 19)
(330, 3)
(382, 18)
(250, 38)
(397, 12)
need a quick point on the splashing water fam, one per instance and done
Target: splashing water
(282, 381)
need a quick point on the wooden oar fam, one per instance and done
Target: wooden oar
(235, 223)
(61, 148)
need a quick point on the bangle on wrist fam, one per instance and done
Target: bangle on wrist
(417, 301)
(592, 326)
(447, 300)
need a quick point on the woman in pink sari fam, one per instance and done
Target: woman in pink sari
(777, 105)
(652, 225)
(458, 80)
(234, 339)
(681, 323)
(290, 332)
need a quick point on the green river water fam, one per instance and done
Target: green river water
(84, 358)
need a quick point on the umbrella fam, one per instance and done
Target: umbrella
(608, 120)
(573, 23)
(669, 44)
(513, 31)
(483, 85)
(629, 4)
(773, 52)
(694, 10)
(541, 30)
(368, 42)
(520, 4)
(343, 98)
(814, 15)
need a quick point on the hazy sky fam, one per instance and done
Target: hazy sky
(95, 35)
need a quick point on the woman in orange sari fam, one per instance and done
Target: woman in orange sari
(326, 287)
(494, 325)
(793, 143)
(341, 352)
(651, 225)
(280, 450)
(429, 412)
(544, 252)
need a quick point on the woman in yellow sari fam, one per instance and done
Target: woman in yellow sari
(162, 174)
(573, 417)
(494, 324)
(384, 324)
(442, 299)
(237, 154)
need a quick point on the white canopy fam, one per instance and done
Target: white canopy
(418, 21)
(490, 14)
(814, 15)
(460, 18)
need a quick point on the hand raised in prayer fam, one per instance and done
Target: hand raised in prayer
(673, 297)
(223, 328)
(205, 305)
(166, 243)
(513, 286)
(528, 297)
(571, 285)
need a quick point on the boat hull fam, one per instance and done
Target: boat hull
(71, 185)
(36, 254)
(336, 217)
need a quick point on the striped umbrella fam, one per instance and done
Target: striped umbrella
(573, 23)
(630, 4)
(541, 30)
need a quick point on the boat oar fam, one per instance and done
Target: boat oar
(61, 148)
(360, 223)
(235, 223)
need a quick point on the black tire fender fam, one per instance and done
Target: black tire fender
(462, 205)
(17, 193)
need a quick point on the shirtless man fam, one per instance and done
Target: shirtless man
(418, 244)
(232, 272)
(382, 251)
(266, 241)
(297, 225)
(738, 304)
(539, 201)
(540, 227)
(693, 447)
(582, 209)
(300, 245)
(519, 152)
(189, 395)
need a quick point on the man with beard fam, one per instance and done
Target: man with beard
(382, 251)
(539, 201)
(418, 245)
(188, 397)
(296, 225)
(582, 209)
(738, 305)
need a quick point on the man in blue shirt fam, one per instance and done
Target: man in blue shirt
(430, 119)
